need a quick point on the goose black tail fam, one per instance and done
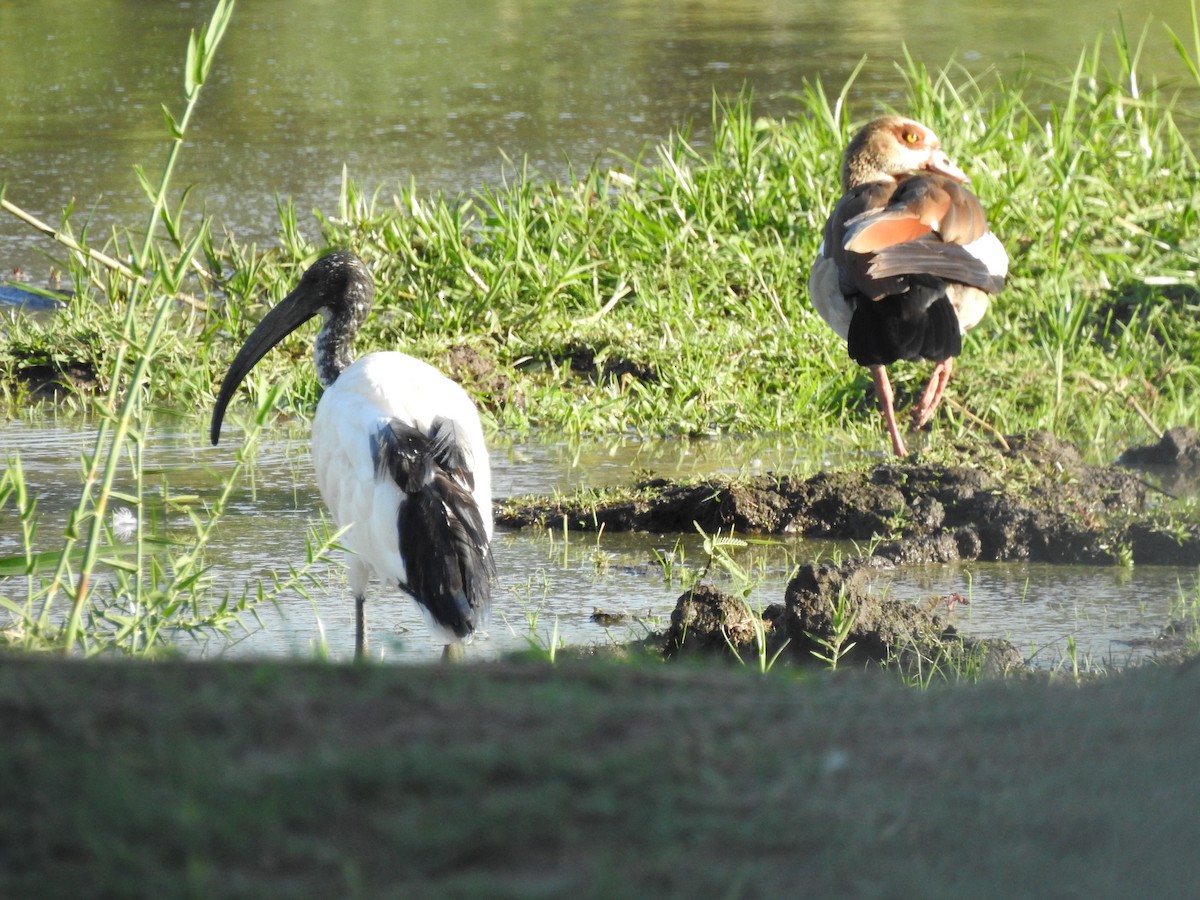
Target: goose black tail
(918, 324)
(443, 539)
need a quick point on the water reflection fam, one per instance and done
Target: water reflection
(549, 583)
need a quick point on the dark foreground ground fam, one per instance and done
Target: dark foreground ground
(591, 780)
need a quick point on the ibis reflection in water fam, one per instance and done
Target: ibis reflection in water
(399, 456)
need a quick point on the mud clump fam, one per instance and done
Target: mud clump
(1174, 461)
(55, 381)
(482, 376)
(914, 637)
(706, 620)
(1037, 501)
(828, 614)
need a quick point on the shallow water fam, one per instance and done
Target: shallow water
(447, 94)
(549, 585)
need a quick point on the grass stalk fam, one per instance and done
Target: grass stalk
(108, 453)
(201, 52)
(843, 615)
(122, 428)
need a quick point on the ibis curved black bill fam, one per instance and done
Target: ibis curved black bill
(293, 311)
(338, 283)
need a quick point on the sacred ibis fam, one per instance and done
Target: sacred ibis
(399, 456)
(907, 261)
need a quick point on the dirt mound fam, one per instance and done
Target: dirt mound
(481, 376)
(828, 616)
(1037, 501)
(1174, 461)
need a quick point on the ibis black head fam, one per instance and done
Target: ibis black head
(339, 287)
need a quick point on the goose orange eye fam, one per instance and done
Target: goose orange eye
(910, 137)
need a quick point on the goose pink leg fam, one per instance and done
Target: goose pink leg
(883, 388)
(932, 396)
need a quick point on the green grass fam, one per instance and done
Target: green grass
(669, 296)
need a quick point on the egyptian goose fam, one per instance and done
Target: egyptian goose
(907, 261)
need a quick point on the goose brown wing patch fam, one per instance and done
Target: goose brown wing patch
(874, 232)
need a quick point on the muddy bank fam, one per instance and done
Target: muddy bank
(1037, 501)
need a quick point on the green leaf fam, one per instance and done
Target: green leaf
(172, 124)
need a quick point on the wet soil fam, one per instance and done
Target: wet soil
(1035, 501)
(53, 380)
(828, 618)
(480, 375)
(1177, 447)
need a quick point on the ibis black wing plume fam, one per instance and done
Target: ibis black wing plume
(442, 536)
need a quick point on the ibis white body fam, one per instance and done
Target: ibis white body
(375, 389)
(399, 456)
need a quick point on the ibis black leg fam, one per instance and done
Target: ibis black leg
(360, 627)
